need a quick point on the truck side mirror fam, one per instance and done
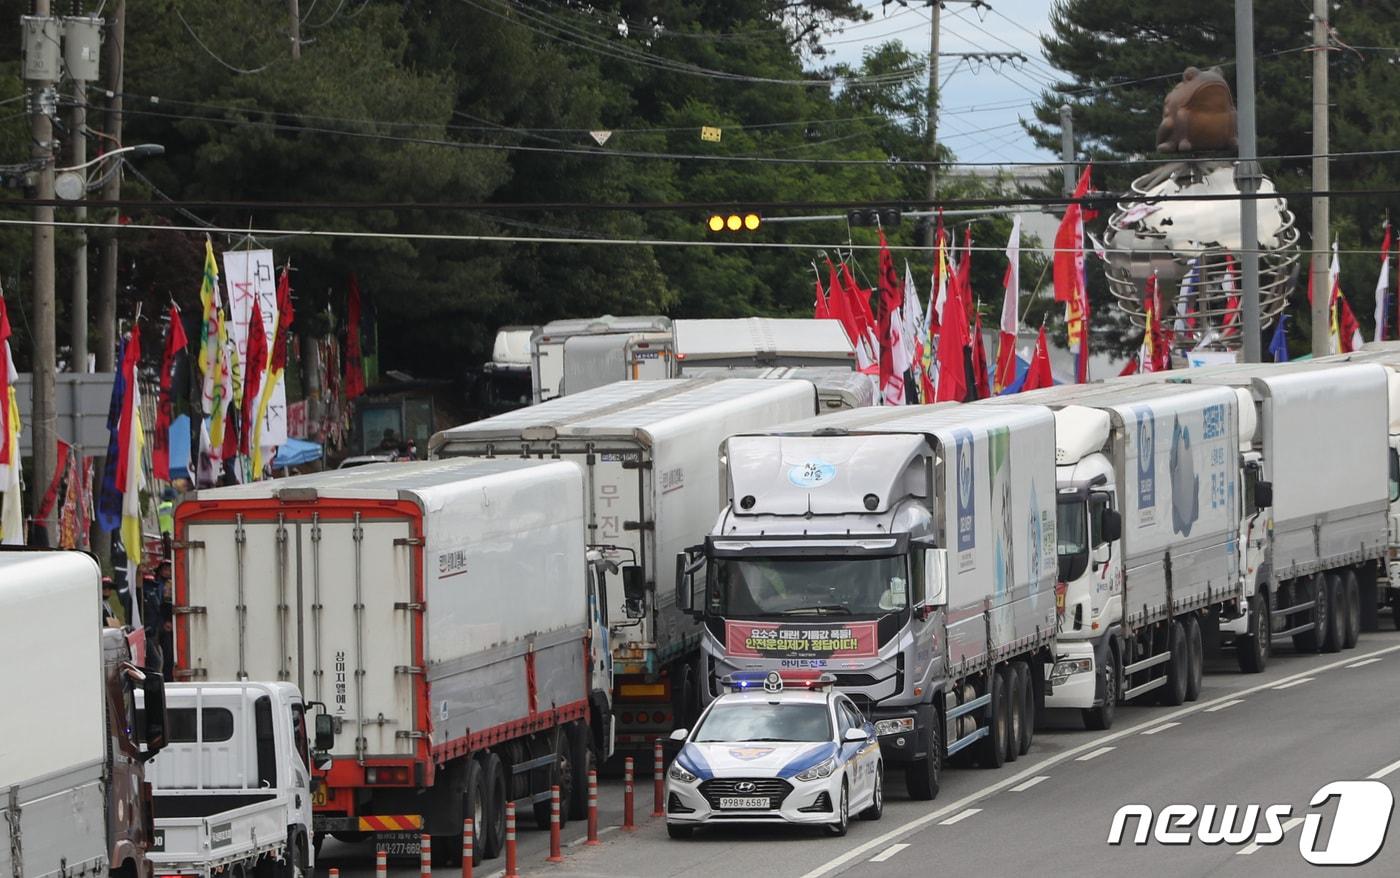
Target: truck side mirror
(1263, 495)
(634, 591)
(1111, 525)
(153, 710)
(325, 732)
(936, 577)
(688, 564)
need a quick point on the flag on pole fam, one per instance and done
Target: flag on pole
(1346, 332)
(1131, 368)
(255, 364)
(277, 358)
(354, 373)
(1185, 296)
(175, 344)
(911, 353)
(129, 475)
(1278, 345)
(840, 309)
(211, 318)
(820, 310)
(887, 327)
(979, 359)
(1071, 286)
(938, 295)
(964, 272)
(1383, 285)
(1038, 375)
(952, 352)
(109, 494)
(1010, 308)
(12, 502)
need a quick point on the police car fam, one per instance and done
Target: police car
(775, 748)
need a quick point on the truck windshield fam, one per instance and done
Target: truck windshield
(1072, 531)
(758, 587)
(765, 721)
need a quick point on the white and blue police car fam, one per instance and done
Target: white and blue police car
(776, 748)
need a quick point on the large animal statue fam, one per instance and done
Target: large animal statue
(1199, 114)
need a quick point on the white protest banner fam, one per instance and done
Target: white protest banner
(249, 274)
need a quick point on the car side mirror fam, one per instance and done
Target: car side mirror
(634, 591)
(1111, 525)
(1263, 495)
(153, 708)
(679, 735)
(935, 577)
(325, 732)
(855, 736)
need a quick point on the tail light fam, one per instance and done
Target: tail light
(387, 774)
(658, 717)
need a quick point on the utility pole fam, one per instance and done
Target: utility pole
(294, 11)
(81, 49)
(1321, 181)
(1247, 177)
(1067, 149)
(42, 71)
(935, 14)
(111, 191)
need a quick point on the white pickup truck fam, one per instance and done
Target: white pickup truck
(232, 789)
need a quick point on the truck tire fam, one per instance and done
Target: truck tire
(1335, 633)
(582, 761)
(1015, 709)
(993, 747)
(473, 805)
(1100, 718)
(924, 777)
(1252, 650)
(1311, 641)
(1351, 631)
(1369, 589)
(1023, 743)
(1174, 693)
(491, 832)
(1195, 658)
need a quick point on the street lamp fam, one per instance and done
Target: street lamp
(70, 185)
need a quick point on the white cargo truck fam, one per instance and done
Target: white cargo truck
(649, 451)
(232, 789)
(909, 551)
(1148, 522)
(838, 388)
(447, 613)
(73, 799)
(570, 356)
(1319, 441)
(760, 341)
(506, 381)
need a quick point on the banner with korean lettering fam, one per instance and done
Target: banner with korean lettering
(250, 274)
(805, 640)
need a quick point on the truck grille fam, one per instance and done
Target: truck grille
(772, 788)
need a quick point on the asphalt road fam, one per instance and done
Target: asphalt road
(1272, 738)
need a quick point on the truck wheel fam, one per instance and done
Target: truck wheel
(491, 830)
(1334, 633)
(1311, 641)
(1015, 710)
(993, 751)
(1100, 719)
(583, 761)
(1195, 658)
(1174, 693)
(1023, 741)
(473, 805)
(1369, 590)
(1252, 650)
(1351, 631)
(924, 778)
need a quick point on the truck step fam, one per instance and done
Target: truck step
(1297, 629)
(1305, 607)
(967, 740)
(1144, 664)
(1145, 687)
(964, 709)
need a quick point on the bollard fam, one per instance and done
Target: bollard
(468, 849)
(658, 799)
(627, 824)
(556, 855)
(334, 873)
(425, 855)
(592, 808)
(511, 871)
(381, 864)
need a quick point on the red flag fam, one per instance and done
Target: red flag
(254, 364)
(1131, 368)
(979, 361)
(354, 372)
(964, 274)
(933, 318)
(859, 301)
(5, 379)
(1349, 331)
(278, 361)
(839, 305)
(1038, 375)
(952, 352)
(175, 344)
(129, 363)
(820, 310)
(1069, 244)
(889, 300)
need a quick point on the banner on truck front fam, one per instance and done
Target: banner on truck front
(805, 640)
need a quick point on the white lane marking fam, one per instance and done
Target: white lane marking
(1384, 771)
(991, 789)
(1231, 703)
(602, 830)
(1162, 728)
(1250, 848)
(1363, 663)
(1095, 754)
(1022, 787)
(888, 852)
(957, 817)
(1291, 683)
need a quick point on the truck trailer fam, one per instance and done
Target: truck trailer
(570, 356)
(73, 796)
(649, 453)
(447, 613)
(907, 551)
(702, 345)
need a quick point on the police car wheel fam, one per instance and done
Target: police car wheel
(877, 801)
(843, 821)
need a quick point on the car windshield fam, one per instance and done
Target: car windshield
(758, 587)
(1071, 529)
(765, 721)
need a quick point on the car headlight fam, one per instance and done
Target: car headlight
(820, 770)
(680, 774)
(894, 726)
(1070, 667)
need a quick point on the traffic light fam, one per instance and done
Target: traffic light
(734, 222)
(869, 217)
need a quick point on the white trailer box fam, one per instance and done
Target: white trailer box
(568, 356)
(761, 341)
(650, 451)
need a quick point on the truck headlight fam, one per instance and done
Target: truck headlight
(1069, 667)
(680, 774)
(894, 726)
(820, 770)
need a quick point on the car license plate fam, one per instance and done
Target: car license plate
(398, 844)
(744, 802)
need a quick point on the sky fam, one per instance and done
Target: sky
(982, 105)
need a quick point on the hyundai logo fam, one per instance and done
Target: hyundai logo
(745, 786)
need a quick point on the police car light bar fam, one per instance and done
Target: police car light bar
(774, 681)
